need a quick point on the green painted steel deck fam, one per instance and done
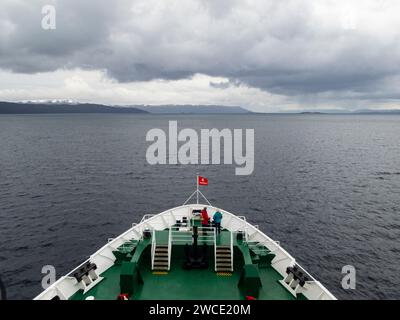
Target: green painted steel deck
(182, 284)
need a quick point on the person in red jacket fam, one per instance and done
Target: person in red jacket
(204, 220)
(204, 217)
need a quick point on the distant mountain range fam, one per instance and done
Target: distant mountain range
(193, 109)
(69, 106)
(32, 108)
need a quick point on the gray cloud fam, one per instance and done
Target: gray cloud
(284, 47)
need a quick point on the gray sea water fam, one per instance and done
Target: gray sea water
(326, 186)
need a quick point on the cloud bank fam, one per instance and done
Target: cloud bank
(266, 55)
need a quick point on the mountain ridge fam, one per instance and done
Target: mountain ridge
(40, 108)
(69, 106)
(194, 109)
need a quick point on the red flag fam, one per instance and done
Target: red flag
(203, 181)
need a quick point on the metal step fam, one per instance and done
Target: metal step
(223, 259)
(161, 249)
(160, 258)
(223, 265)
(161, 255)
(224, 256)
(160, 262)
(160, 268)
(156, 265)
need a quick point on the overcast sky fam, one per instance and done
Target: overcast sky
(262, 55)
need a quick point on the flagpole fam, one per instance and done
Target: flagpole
(197, 188)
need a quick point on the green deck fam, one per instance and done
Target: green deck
(181, 284)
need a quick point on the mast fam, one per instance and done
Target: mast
(197, 192)
(197, 188)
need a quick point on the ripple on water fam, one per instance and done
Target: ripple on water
(319, 186)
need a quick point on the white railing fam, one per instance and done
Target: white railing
(215, 250)
(206, 238)
(169, 248)
(231, 251)
(153, 248)
(187, 235)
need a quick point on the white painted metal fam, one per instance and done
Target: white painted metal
(197, 192)
(232, 251)
(153, 248)
(169, 248)
(215, 251)
(66, 286)
(191, 196)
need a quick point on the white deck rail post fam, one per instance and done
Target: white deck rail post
(169, 247)
(231, 251)
(153, 248)
(215, 251)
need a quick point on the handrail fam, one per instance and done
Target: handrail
(153, 248)
(169, 247)
(186, 236)
(215, 250)
(190, 229)
(231, 251)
